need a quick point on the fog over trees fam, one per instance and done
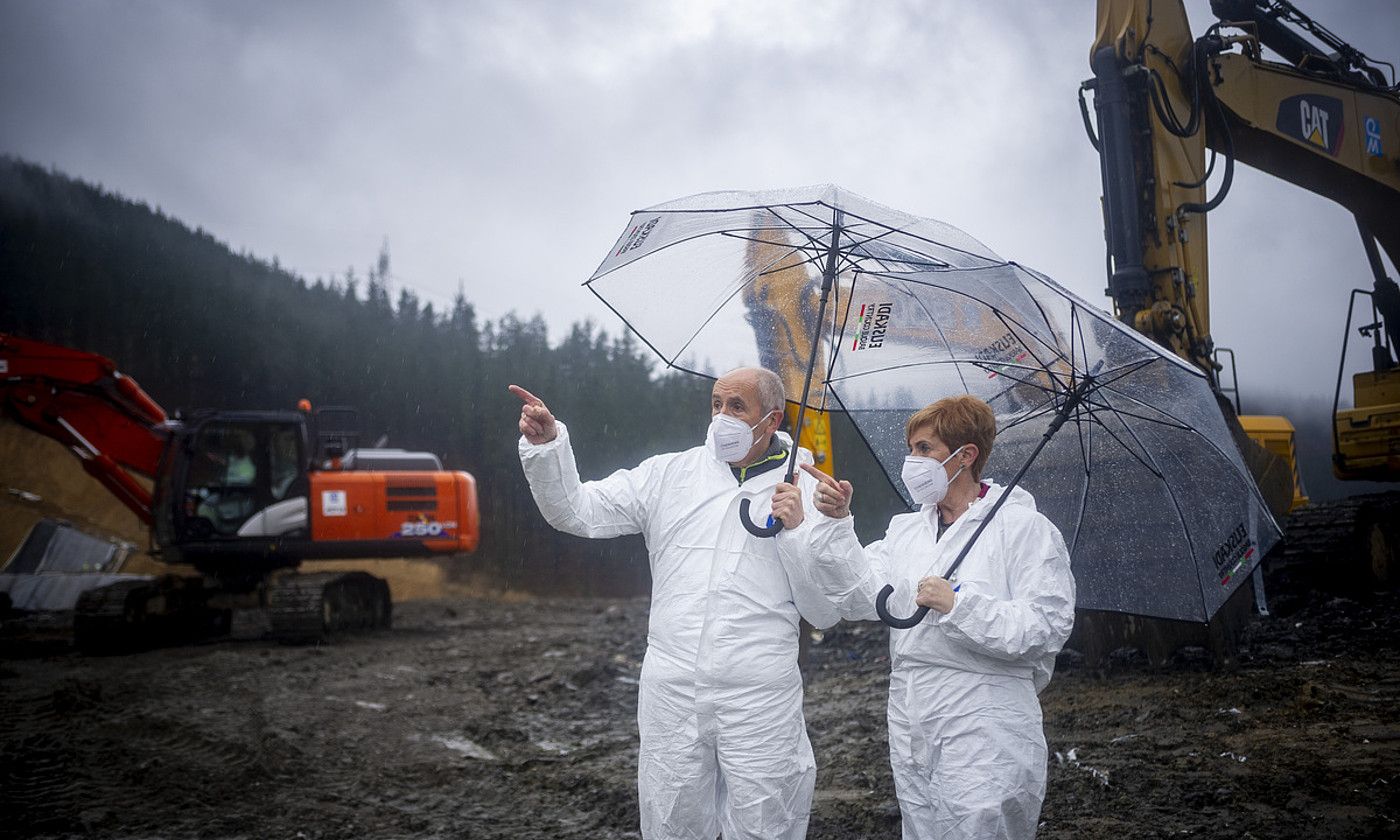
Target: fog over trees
(201, 327)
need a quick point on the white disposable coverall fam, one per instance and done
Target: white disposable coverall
(966, 742)
(723, 741)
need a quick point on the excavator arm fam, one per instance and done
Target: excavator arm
(1172, 108)
(82, 401)
(781, 312)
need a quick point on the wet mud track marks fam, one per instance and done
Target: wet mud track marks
(482, 719)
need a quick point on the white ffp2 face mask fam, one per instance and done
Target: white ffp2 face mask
(729, 438)
(925, 478)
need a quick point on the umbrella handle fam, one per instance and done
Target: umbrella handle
(757, 530)
(897, 623)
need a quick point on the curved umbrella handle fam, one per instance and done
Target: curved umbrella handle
(757, 530)
(897, 623)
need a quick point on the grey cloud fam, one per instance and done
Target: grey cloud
(503, 144)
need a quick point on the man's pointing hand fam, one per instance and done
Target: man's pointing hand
(536, 422)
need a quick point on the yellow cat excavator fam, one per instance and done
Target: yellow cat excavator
(1171, 109)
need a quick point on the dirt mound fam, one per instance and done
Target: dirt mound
(39, 478)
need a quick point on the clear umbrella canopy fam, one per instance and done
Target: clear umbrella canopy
(1145, 482)
(724, 279)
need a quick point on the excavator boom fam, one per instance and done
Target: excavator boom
(81, 400)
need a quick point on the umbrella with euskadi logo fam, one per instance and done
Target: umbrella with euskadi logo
(1122, 444)
(726, 279)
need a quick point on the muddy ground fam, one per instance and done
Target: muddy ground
(477, 718)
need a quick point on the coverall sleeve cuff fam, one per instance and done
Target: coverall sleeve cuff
(528, 449)
(960, 612)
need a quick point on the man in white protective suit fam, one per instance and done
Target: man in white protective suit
(723, 742)
(966, 741)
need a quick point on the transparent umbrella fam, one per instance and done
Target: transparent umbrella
(1122, 444)
(719, 280)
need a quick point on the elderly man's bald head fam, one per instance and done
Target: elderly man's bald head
(769, 386)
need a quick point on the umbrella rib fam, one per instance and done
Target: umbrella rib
(628, 325)
(900, 230)
(739, 233)
(930, 262)
(1123, 412)
(795, 249)
(1150, 467)
(871, 449)
(1083, 348)
(944, 338)
(798, 208)
(1044, 317)
(1175, 421)
(1112, 376)
(1007, 393)
(677, 210)
(1000, 316)
(1123, 330)
(1000, 370)
(1038, 411)
(929, 284)
(684, 239)
(905, 231)
(705, 323)
(825, 227)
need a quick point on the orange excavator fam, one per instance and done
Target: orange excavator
(239, 498)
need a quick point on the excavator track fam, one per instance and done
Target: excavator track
(134, 614)
(305, 609)
(113, 618)
(1348, 546)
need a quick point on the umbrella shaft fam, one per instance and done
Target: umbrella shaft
(828, 278)
(1074, 398)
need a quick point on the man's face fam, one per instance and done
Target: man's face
(737, 396)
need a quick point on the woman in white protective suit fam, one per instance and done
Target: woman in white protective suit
(723, 742)
(966, 741)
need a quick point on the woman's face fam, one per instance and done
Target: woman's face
(925, 444)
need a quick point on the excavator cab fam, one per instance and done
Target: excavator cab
(237, 468)
(1366, 437)
(232, 476)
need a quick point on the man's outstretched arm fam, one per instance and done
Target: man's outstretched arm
(611, 507)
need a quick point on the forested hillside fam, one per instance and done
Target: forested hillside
(199, 326)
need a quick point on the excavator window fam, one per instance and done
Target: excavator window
(235, 470)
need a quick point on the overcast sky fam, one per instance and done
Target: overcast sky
(502, 144)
